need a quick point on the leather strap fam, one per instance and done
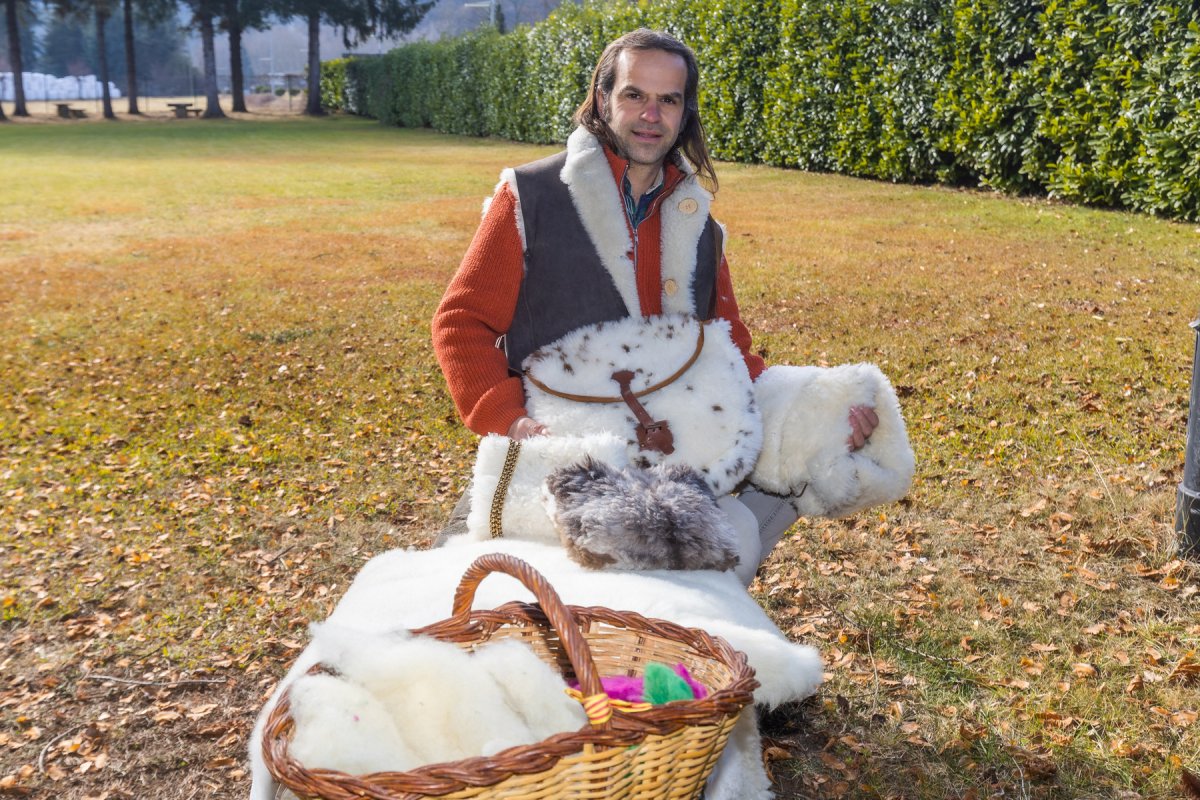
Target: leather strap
(651, 434)
(585, 398)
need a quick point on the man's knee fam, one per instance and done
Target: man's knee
(457, 523)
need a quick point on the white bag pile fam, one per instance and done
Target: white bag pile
(48, 87)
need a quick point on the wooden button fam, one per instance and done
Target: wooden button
(688, 205)
(670, 286)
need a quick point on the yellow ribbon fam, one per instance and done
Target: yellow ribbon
(599, 707)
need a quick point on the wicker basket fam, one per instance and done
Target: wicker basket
(667, 751)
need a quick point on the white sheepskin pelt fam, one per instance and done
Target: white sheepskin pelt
(711, 408)
(411, 588)
(805, 423)
(739, 774)
(523, 515)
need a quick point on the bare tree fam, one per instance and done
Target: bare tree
(100, 12)
(148, 10)
(131, 91)
(238, 16)
(204, 12)
(14, 58)
(103, 12)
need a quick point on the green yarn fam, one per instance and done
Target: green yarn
(662, 685)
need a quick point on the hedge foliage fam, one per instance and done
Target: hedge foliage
(333, 84)
(1092, 101)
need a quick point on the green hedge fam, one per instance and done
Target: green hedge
(1093, 101)
(333, 84)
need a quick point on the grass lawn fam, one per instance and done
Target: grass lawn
(218, 399)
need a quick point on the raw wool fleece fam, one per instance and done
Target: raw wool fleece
(402, 702)
(410, 588)
(711, 408)
(664, 517)
(523, 515)
(804, 443)
(342, 726)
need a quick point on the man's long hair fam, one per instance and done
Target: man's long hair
(593, 114)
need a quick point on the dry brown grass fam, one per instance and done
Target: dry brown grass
(220, 400)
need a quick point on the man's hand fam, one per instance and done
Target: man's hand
(525, 427)
(863, 421)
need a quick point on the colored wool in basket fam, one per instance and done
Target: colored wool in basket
(659, 684)
(403, 702)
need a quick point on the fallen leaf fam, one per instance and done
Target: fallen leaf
(1084, 671)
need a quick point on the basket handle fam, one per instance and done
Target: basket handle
(595, 701)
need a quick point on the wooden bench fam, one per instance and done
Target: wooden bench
(66, 112)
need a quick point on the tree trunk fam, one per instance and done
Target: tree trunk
(130, 58)
(313, 106)
(235, 65)
(14, 56)
(212, 109)
(102, 46)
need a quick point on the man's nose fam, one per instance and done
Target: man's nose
(650, 112)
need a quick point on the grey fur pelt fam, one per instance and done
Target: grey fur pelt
(665, 517)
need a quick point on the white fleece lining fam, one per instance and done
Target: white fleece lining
(509, 177)
(680, 232)
(598, 202)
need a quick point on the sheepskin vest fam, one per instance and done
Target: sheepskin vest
(578, 265)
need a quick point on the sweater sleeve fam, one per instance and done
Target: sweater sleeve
(727, 309)
(475, 311)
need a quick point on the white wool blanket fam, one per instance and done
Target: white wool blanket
(805, 427)
(411, 588)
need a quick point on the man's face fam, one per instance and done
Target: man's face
(645, 110)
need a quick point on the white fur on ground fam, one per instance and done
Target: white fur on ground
(739, 774)
(806, 424)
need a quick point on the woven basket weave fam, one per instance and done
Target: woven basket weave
(663, 753)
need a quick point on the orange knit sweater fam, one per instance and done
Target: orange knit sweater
(478, 306)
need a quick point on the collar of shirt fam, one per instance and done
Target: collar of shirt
(637, 209)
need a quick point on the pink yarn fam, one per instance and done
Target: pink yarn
(622, 687)
(697, 689)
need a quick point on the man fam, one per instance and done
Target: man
(591, 235)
